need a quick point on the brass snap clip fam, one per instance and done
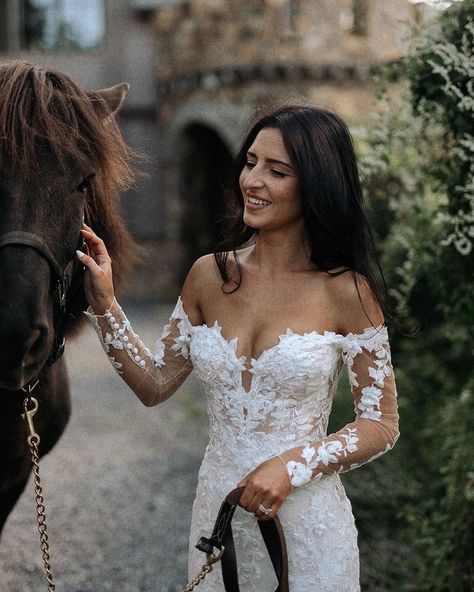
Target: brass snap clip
(33, 437)
(211, 558)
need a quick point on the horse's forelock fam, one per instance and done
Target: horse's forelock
(41, 108)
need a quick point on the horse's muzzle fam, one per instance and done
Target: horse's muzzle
(24, 358)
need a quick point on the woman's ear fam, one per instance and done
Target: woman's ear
(114, 96)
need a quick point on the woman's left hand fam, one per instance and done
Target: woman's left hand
(266, 488)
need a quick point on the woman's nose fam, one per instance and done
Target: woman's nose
(253, 179)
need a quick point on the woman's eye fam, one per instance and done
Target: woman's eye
(278, 173)
(250, 163)
(85, 183)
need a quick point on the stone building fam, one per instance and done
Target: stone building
(219, 60)
(198, 69)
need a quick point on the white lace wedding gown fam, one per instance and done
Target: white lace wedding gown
(286, 409)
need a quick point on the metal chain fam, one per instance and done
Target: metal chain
(205, 569)
(33, 442)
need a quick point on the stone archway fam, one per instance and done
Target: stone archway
(205, 168)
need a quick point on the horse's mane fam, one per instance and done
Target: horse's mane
(41, 108)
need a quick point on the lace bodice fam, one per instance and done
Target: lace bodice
(285, 410)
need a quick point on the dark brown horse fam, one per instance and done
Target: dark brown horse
(62, 158)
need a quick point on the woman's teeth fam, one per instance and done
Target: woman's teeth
(258, 202)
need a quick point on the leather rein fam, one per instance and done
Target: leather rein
(222, 541)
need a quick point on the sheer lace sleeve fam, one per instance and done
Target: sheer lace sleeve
(153, 378)
(375, 428)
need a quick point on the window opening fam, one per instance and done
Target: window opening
(52, 25)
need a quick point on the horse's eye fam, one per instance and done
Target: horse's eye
(85, 183)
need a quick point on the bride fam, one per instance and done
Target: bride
(267, 324)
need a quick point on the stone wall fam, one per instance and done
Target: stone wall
(207, 34)
(219, 60)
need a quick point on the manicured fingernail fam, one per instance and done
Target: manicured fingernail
(80, 254)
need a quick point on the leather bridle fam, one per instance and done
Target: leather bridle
(64, 277)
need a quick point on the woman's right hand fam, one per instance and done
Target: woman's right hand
(98, 284)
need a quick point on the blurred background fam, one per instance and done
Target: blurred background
(400, 72)
(197, 71)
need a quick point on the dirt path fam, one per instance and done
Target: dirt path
(119, 485)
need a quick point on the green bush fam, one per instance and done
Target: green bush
(418, 167)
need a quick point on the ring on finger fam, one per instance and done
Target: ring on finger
(264, 510)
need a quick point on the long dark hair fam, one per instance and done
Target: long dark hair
(321, 151)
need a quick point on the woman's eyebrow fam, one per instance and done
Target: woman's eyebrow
(271, 160)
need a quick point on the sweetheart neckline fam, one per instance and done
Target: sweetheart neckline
(231, 345)
(233, 342)
(369, 332)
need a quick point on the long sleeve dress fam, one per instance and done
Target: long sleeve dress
(285, 411)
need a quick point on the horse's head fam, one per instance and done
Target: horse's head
(62, 159)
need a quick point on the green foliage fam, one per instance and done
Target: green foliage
(443, 520)
(419, 178)
(441, 78)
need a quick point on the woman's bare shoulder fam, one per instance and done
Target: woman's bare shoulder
(203, 270)
(202, 278)
(355, 304)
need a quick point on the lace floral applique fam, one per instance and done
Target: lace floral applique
(372, 353)
(121, 337)
(161, 347)
(181, 343)
(117, 338)
(285, 412)
(328, 452)
(369, 403)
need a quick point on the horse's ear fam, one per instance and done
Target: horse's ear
(115, 95)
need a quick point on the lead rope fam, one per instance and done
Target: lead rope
(33, 442)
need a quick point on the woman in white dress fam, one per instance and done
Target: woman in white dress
(267, 324)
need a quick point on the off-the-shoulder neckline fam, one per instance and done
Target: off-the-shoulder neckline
(368, 333)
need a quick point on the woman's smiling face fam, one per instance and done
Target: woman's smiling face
(269, 184)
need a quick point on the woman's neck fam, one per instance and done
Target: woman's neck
(284, 251)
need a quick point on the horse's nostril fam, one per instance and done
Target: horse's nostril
(23, 360)
(35, 345)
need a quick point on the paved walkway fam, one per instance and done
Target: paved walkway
(119, 485)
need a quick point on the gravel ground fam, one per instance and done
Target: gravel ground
(119, 485)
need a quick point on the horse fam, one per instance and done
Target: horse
(62, 161)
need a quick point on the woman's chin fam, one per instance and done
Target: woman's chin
(253, 221)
